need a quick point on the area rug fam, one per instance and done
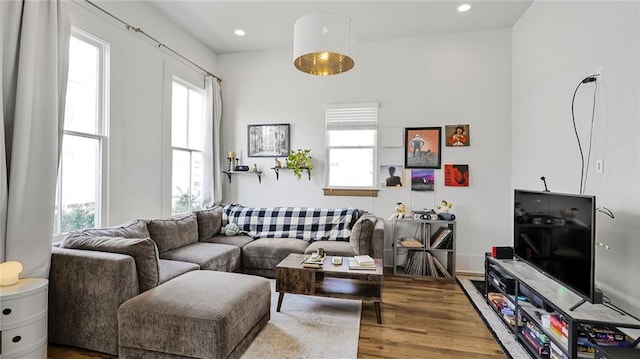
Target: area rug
(308, 327)
(497, 327)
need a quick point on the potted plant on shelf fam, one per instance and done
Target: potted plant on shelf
(298, 161)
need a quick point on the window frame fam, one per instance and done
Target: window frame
(366, 191)
(101, 136)
(190, 151)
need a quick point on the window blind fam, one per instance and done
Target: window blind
(352, 117)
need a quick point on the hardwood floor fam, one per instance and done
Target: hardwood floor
(421, 318)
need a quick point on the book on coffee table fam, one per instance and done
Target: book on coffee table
(353, 264)
(364, 260)
(313, 260)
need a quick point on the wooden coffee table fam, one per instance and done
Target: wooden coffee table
(336, 281)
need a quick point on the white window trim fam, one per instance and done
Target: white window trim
(374, 146)
(189, 86)
(102, 197)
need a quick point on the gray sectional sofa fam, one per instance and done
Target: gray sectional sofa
(94, 271)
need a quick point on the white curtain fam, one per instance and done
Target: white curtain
(212, 179)
(34, 38)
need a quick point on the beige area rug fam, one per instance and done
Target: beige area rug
(308, 327)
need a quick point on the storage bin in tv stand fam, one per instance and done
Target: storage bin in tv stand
(558, 298)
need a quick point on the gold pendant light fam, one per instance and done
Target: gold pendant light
(323, 44)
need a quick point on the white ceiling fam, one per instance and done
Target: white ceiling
(269, 24)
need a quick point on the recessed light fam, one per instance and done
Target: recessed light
(464, 7)
(240, 32)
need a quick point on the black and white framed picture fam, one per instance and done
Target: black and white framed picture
(270, 140)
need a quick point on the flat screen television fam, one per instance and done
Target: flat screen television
(555, 233)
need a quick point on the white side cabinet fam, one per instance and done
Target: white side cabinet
(23, 319)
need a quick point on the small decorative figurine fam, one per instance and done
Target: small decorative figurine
(444, 206)
(278, 163)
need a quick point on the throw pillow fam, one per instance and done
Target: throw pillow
(231, 229)
(143, 251)
(133, 229)
(174, 232)
(209, 222)
(361, 234)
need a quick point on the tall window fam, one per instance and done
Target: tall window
(187, 118)
(351, 145)
(79, 200)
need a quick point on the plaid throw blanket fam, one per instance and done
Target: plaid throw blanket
(309, 224)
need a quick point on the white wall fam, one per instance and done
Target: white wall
(555, 45)
(424, 81)
(140, 74)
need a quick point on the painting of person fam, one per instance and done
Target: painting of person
(393, 180)
(456, 175)
(457, 135)
(422, 147)
(391, 176)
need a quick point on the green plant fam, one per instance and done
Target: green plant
(299, 160)
(77, 216)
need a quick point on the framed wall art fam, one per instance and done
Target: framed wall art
(422, 147)
(270, 140)
(392, 176)
(456, 175)
(422, 180)
(457, 135)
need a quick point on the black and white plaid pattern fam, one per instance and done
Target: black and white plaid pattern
(309, 224)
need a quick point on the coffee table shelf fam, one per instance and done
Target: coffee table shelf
(348, 289)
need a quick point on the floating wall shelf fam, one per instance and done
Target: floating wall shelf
(277, 171)
(258, 173)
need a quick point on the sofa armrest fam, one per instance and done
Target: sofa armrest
(376, 248)
(85, 290)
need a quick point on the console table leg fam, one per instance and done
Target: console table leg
(280, 301)
(376, 306)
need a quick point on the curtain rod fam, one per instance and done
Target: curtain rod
(159, 44)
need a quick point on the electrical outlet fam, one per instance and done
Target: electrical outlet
(600, 166)
(598, 72)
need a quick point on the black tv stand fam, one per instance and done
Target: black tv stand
(568, 309)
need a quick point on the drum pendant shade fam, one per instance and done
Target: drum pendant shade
(323, 44)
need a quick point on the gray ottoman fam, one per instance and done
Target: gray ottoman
(200, 314)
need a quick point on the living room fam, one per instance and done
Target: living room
(513, 85)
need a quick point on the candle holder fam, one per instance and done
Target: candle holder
(230, 163)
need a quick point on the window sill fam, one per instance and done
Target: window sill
(353, 192)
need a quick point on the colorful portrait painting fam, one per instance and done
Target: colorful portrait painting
(457, 135)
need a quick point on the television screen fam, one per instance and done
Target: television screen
(556, 233)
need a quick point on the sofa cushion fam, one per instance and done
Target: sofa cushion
(238, 240)
(143, 251)
(266, 253)
(174, 232)
(170, 269)
(210, 256)
(361, 233)
(133, 229)
(209, 222)
(309, 224)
